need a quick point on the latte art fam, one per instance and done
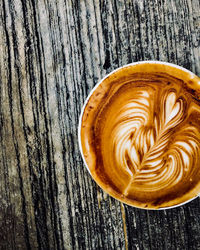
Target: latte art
(141, 136)
(151, 149)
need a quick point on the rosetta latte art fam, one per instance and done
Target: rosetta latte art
(152, 151)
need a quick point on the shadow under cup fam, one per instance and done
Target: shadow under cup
(139, 134)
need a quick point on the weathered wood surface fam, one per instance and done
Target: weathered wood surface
(52, 53)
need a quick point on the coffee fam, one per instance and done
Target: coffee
(140, 135)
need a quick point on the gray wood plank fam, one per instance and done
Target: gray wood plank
(52, 54)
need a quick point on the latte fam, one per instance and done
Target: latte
(140, 135)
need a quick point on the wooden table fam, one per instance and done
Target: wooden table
(52, 53)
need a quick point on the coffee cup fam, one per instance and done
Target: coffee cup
(139, 134)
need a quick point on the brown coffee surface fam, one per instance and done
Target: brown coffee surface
(140, 135)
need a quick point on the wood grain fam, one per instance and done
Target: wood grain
(53, 52)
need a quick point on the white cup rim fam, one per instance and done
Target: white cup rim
(83, 108)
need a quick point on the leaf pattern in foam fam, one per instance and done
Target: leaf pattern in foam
(148, 152)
